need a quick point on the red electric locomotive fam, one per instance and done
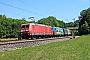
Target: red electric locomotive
(32, 30)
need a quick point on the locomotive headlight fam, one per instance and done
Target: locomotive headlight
(27, 30)
(22, 30)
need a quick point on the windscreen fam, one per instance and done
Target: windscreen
(25, 26)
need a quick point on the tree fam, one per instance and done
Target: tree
(70, 24)
(84, 28)
(51, 21)
(76, 23)
(10, 27)
(84, 24)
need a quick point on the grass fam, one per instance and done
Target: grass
(74, 49)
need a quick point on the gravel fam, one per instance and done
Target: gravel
(26, 44)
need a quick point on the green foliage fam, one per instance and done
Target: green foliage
(76, 23)
(10, 27)
(73, 24)
(51, 21)
(70, 24)
(84, 24)
(84, 28)
(75, 49)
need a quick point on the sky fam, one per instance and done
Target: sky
(64, 10)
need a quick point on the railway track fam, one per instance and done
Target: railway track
(12, 45)
(24, 40)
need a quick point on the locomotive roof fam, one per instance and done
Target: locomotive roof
(43, 25)
(40, 24)
(37, 24)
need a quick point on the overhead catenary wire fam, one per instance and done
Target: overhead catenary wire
(32, 6)
(20, 8)
(67, 20)
(11, 12)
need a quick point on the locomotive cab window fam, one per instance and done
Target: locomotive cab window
(25, 26)
(32, 26)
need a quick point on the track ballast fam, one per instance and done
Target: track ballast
(12, 45)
